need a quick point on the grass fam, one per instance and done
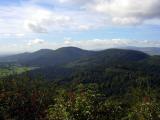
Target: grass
(10, 70)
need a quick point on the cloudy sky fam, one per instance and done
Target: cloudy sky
(29, 25)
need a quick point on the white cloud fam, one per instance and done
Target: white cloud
(97, 44)
(13, 35)
(126, 21)
(84, 27)
(92, 44)
(19, 34)
(43, 20)
(32, 17)
(54, 2)
(127, 11)
(35, 42)
(75, 2)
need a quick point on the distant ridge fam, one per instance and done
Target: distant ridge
(148, 50)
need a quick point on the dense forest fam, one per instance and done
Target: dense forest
(112, 84)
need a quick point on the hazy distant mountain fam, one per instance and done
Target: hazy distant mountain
(148, 50)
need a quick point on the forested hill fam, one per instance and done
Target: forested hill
(100, 59)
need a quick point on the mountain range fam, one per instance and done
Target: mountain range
(67, 62)
(48, 58)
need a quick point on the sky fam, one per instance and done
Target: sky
(30, 25)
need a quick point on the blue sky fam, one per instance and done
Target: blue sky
(29, 25)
